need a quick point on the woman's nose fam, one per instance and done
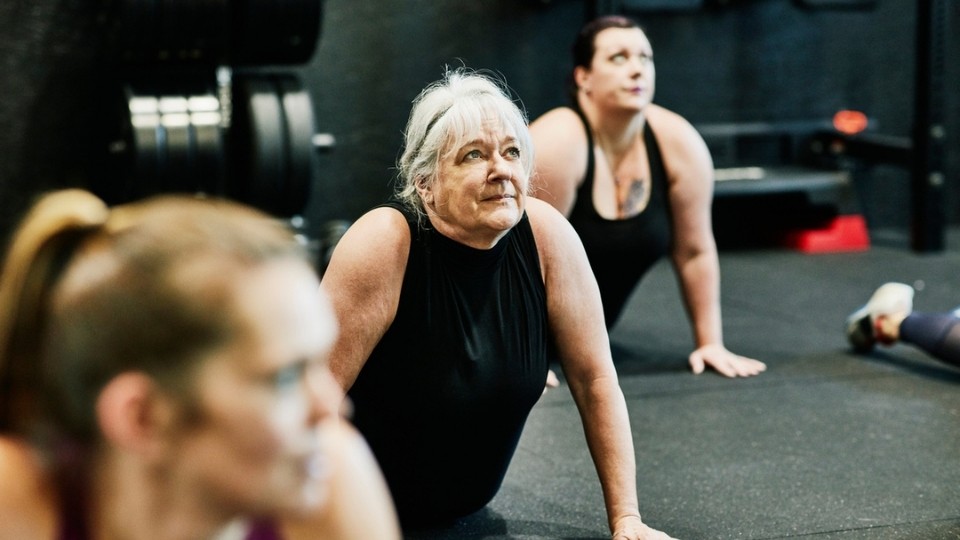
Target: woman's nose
(501, 169)
(640, 63)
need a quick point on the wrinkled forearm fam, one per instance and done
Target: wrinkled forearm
(606, 425)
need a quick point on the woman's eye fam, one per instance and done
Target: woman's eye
(513, 152)
(289, 376)
(473, 154)
(618, 58)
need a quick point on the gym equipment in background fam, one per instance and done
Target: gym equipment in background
(196, 110)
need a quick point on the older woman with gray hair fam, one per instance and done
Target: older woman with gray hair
(453, 298)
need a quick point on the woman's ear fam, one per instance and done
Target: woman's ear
(581, 77)
(134, 414)
(424, 189)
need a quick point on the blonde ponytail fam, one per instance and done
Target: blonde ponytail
(38, 251)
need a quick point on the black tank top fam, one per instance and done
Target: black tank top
(444, 395)
(621, 251)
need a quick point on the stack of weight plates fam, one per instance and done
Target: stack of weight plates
(196, 114)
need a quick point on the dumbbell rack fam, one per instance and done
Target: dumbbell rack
(199, 104)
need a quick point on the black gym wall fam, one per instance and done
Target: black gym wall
(736, 61)
(50, 78)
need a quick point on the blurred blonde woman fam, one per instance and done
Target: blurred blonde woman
(163, 374)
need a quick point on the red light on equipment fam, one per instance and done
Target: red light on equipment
(850, 122)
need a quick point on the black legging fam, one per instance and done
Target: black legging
(936, 333)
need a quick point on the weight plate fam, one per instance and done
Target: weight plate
(300, 126)
(208, 136)
(176, 176)
(260, 141)
(148, 143)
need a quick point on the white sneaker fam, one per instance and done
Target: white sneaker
(889, 298)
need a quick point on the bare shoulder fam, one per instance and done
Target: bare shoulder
(366, 270)
(544, 218)
(27, 497)
(682, 145)
(560, 156)
(381, 236)
(557, 117)
(558, 134)
(381, 226)
(552, 231)
(669, 125)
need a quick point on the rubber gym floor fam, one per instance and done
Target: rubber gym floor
(826, 444)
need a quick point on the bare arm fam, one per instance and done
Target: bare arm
(576, 319)
(690, 171)
(363, 281)
(560, 148)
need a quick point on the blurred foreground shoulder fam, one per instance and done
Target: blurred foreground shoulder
(27, 496)
(359, 504)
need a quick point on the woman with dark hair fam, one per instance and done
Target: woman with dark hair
(636, 182)
(163, 374)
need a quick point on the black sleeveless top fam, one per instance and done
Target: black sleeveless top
(621, 251)
(444, 395)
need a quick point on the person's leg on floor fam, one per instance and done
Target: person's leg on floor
(936, 333)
